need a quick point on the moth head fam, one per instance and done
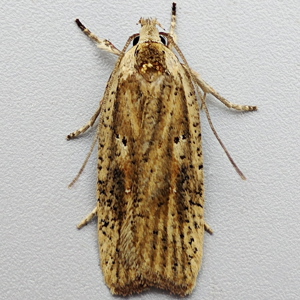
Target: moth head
(149, 32)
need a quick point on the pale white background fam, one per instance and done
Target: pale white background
(52, 78)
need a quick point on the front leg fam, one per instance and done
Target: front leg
(102, 44)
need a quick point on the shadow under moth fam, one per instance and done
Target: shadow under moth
(150, 207)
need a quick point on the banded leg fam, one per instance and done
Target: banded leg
(84, 128)
(203, 105)
(173, 23)
(102, 44)
(88, 218)
(207, 89)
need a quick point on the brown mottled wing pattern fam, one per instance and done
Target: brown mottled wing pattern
(150, 180)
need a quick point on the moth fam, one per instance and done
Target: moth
(150, 191)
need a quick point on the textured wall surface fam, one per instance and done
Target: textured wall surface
(52, 78)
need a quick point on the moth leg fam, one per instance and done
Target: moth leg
(84, 128)
(85, 161)
(209, 90)
(88, 218)
(173, 23)
(208, 229)
(102, 44)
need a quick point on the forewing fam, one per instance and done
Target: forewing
(150, 180)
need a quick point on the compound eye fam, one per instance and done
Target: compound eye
(136, 40)
(163, 39)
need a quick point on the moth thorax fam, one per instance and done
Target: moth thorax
(150, 60)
